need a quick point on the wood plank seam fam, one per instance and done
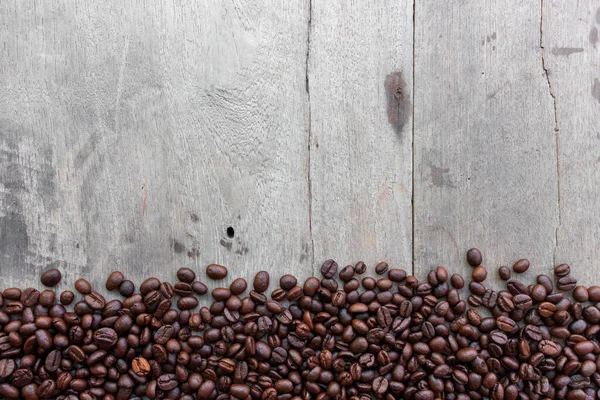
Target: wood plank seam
(556, 128)
(310, 232)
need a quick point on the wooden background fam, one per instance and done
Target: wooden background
(133, 134)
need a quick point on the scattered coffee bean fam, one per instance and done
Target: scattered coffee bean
(381, 268)
(504, 273)
(216, 271)
(521, 266)
(114, 280)
(474, 257)
(51, 277)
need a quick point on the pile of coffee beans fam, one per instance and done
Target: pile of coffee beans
(340, 337)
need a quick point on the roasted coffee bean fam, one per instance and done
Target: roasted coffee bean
(504, 273)
(381, 268)
(457, 281)
(287, 282)
(479, 274)
(126, 288)
(114, 280)
(83, 286)
(360, 268)
(186, 275)
(566, 283)
(521, 266)
(328, 269)
(474, 257)
(216, 271)
(562, 270)
(51, 277)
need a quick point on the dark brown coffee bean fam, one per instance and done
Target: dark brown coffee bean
(328, 269)
(580, 293)
(261, 281)
(51, 277)
(566, 283)
(114, 280)
(562, 270)
(95, 300)
(521, 266)
(286, 282)
(346, 273)
(238, 286)
(457, 281)
(83, 286)
(479, 274)
(67, 297)
(474, 257)
(126, 288)
(186, 275)
(216, 271)
(504, 273)
(381, 268)
(30, 297)
(360, 268)
(199, 288)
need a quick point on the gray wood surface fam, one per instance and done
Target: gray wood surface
(485, 155)
(133, 134)
(571, 44)
(360, 81)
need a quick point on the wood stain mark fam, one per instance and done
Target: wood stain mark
(596, 90)
(398, 100)
(177, 246)
(593, 36)
(566, 51)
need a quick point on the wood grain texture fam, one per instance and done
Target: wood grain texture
(485, 156)
(132, 134)
(360, 79)
(572, 57)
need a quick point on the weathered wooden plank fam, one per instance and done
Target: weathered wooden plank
(133, 134)
(572, 57)
(485, 156)
(361, 144)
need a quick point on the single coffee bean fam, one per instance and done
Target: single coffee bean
(580, 293)
(186, 275)
(474, 257)
(346, 273)
(566, 283)
(126, 288)
(457, 281)
(562, 270)
(238, 286)
(381, 268)
(329, 269)
(504, 273)
(286, 282)
(51, 277)
(360, 268)
(479, 274)
(521, 266)
(261, 281)
(67, 297)
(199, 288)
(83, 286)
(114, 280)
(216, 271)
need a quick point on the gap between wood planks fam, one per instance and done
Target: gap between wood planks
(556, 128)
(312, 242)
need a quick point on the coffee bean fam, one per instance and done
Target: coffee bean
(479, 274)
(521, 266)
(566, 283)
(360, 268)
(261, 281)
(287, 282)
(216, 271)
(83, 286)
(457, 281)
(328, 269)
(186, 275)
(95, 300)
(504, 273)
(381, 268)
(474, 257)
(126, 288)
(51, 277)
(114, 280)
(238, 286)
(562, 270)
